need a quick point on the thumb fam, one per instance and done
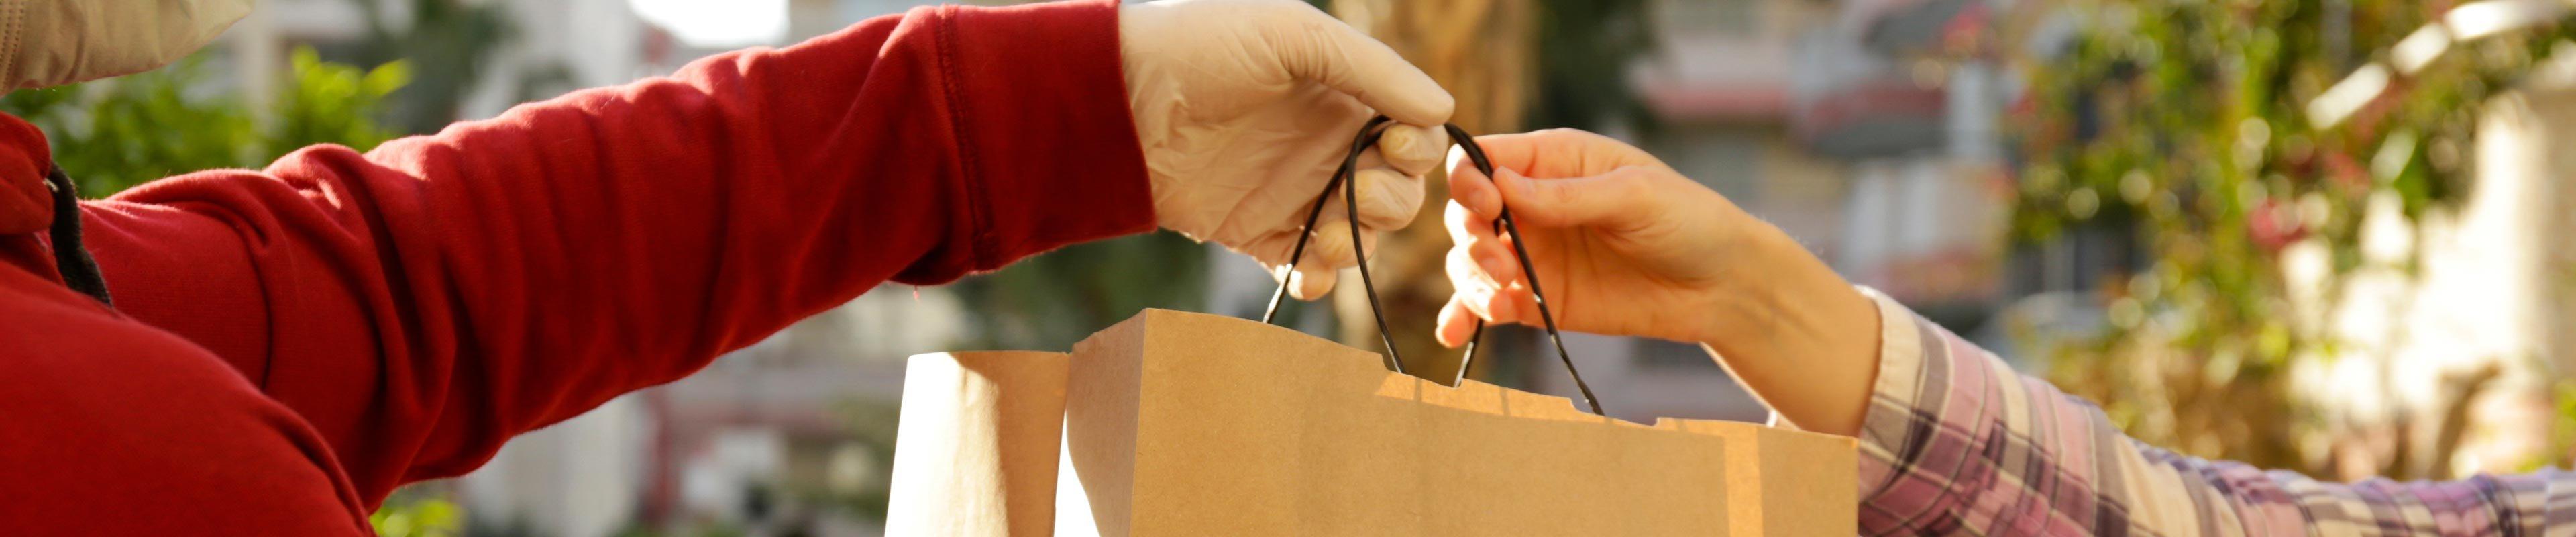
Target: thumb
(1337, 55)
(1606, 199)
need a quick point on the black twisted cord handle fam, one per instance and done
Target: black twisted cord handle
(1348, 173)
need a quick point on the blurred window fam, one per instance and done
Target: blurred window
(1726, 157)
(1724, 17)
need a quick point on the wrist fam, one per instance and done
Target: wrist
(1802, 339)
(1776, 292)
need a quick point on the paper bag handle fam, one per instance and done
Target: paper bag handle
(1348, 173)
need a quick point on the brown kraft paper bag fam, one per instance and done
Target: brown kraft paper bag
(975, 447)
(1178, 423)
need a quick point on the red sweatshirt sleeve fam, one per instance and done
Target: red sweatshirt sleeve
(422, 303)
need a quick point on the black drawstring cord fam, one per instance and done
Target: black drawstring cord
(80, 272)
(1368, 136)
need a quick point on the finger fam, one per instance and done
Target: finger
(1456, 324)
(1306, 283)
(1495, 306)
(1326, 253)
(1331, 246)
(1303, 284)
(1476, 290)
(1475, 297)
(1337, 55)
(1608, 199)
(1275, 250)
(1479, 296)
(1497, 259)
(1413, 149)
(1466, 274)
(1473, 302)
(1470, 187)
(1388, 200)
(1466, 227)
(1510, 304)
(1476, 239)
(1555, 153)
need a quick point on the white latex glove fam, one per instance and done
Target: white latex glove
(1245, 108)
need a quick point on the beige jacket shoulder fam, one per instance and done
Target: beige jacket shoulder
(54, 42)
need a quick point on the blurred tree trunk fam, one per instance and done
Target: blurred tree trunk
(1481, 51)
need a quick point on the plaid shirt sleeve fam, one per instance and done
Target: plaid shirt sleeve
(1956, 443)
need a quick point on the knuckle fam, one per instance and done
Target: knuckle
(1420, 144)
(1331, 247)
(1399, 141)
(1632, 181)
(1562, 193)
(1463, 262)
(1388, 209)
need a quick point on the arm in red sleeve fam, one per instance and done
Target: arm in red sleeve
(422, 303)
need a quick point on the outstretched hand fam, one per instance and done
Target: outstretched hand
(1624, 245)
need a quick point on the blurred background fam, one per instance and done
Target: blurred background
(2318, 235)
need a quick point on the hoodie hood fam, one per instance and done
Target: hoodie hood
(26, 206)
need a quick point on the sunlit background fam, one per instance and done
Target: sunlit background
(2320, 235)
(700, 23)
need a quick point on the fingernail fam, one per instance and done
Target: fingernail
(1398, 141)
(1309, 286)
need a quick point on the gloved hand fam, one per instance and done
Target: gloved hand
(1245, 107)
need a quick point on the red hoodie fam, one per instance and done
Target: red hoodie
(289, 345)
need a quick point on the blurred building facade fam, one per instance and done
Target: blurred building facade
(1926, 209)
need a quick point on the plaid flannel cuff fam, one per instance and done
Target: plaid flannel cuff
(1893, 417)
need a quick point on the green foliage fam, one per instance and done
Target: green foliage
(116, 133)
(2183, 121)
(1584, 50)
(334, 104)
(417, 517)
(1052, 300)
(872, 426)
